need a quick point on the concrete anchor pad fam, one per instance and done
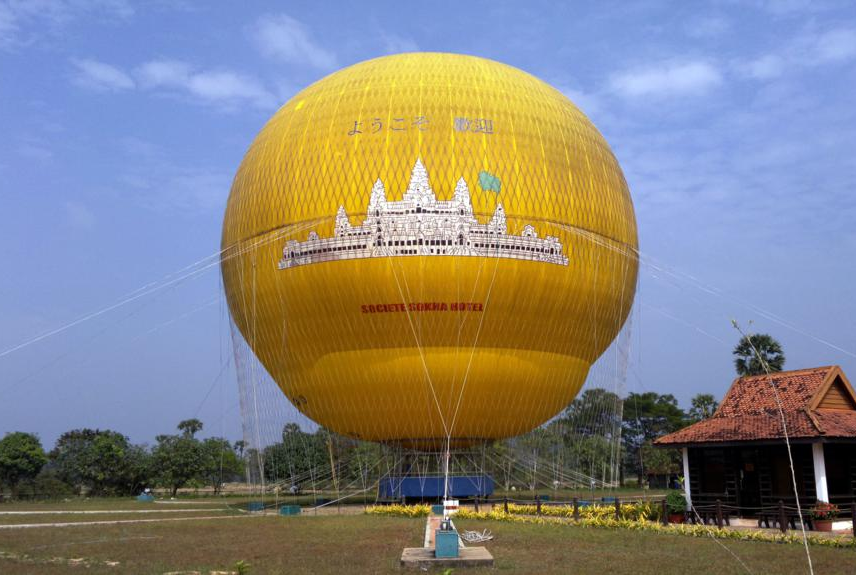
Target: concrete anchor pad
(423, 557)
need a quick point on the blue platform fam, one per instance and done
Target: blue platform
(394, 488)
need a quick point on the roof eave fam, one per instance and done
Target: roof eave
(743, 442)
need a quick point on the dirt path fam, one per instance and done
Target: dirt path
(108, 511)
(116, 522)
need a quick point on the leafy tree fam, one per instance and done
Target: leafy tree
(300, 456)
(647, 416)
(660, 460)
(746, 360)
(594, 412)
(138, 470)
(592, 455)
(179, 459)
(21, 459)
(584, 435)
(254, 464)
(501, 462)
(190, 427)
(220, 463)
(291, 429)
(362, 463)
(104, 462)
(536, 445)
(239, 447)
(338, 451)
(46, 484)
(702, 406)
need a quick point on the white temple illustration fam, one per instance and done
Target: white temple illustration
(421, 225)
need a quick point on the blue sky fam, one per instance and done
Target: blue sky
(123, 124)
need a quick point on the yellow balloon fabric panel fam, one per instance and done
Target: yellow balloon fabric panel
(429, 246)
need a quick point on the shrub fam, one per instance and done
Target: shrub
(703, 531)
(606, 522)
(45, 486)
(632, 511)
(823, 511)
(676, 502)
(400, 510)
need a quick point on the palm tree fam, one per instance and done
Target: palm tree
(750, 348)
(702, 406)
(190, 427)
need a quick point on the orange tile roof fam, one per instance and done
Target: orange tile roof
(750, 410)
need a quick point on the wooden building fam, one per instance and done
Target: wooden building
(739, 455)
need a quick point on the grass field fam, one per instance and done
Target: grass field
(359, 544)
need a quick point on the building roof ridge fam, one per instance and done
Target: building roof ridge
(789, 372)
(748, 412)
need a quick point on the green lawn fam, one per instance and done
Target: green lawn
(372, 544)
(525, 548)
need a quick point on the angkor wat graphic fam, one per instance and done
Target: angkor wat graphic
(421, 225)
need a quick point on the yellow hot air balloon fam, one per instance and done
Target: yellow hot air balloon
(429, 248)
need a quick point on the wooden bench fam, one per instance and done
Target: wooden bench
(771, 517)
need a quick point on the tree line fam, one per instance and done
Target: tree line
(599, 435)
(105, 463)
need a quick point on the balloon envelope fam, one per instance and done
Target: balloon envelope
(425, 247)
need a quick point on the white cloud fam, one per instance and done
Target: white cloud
(788, 7)
(151, 177)
(808, 50)
(163, 73)
(707, 27)
(100, 76)
(588, 103)
(23, 22)
(161, 186)
(763, 68)
(200, 189)
(281, 36)
(227, 87)
(220, 87)
(836, 45)
(79, 216)
(393, 44)
(138, 148)
(33, 149)
(670, 79)
(8, 25)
